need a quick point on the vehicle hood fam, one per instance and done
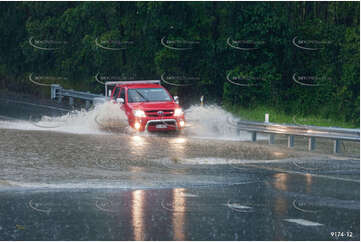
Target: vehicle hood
(146, 106)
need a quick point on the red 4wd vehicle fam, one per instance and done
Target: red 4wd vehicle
(147, 105)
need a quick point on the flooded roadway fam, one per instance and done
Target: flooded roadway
(57, 185)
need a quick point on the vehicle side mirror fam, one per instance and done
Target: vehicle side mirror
(176, 99)
(120, 100)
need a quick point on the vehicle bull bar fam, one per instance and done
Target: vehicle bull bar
(161, 120)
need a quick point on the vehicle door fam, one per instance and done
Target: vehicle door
(118, 92)
(115, 94)
(127, 109)
(122, 96)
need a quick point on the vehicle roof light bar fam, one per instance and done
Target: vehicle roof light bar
(132, 82)
(129, 82)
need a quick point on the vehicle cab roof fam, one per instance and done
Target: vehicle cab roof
(140, 85)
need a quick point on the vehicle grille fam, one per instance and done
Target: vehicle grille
(154, 113)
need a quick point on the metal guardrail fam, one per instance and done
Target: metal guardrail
(58, 92)
(312, 132)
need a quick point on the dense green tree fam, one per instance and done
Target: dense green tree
(206, 45)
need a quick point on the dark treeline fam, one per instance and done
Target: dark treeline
(300, 57)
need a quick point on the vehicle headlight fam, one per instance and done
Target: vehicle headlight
(139, 113)
(178, 112)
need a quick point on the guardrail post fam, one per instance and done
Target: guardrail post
(60, 98)
(266, 118)
(71, 101)
(55, 88)
(254, 136)
(336, 146)
(337, 135)
(291, 141)
(311, 143)
(271, 139)
(87, 104)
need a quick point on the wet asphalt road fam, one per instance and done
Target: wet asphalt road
(57, 186)
(61, 185)
(253, 211)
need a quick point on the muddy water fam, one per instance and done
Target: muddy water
(77, 149)
(53, 159)
(63, 177)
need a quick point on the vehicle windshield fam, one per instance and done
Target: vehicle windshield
(148, 95)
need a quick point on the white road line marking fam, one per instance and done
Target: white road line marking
(303, 222)
(238, 207)
(184, 194)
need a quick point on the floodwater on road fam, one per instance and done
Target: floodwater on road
(64, 178)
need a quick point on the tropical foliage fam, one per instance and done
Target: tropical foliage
(299, 57)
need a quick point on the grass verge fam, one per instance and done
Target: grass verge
(276, 116)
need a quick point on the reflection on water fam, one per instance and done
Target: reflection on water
(178, 141)
(279, 155)
(177, 146)
(280, 181)
(279, 207)
(138, 214)
(138, 144)
(179, 209)
(280, 212)
(308, 182)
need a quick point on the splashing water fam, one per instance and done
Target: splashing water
(79, 122)
(202, 122)
(213, 122)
